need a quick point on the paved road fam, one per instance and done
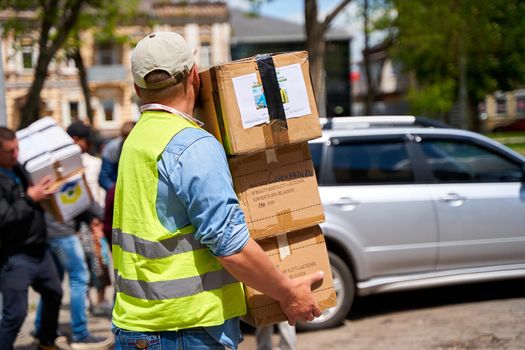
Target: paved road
(480, 316)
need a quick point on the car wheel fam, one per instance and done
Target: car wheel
(345, 291)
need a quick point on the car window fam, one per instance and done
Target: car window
(461, 161)
(371, 162)
(316, 150)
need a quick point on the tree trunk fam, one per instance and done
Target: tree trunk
(30, 111)
(473, 115)
(464, 121)
(316, 47)
(316, 51)
(47, 50)
(82, 75)
(370, 83)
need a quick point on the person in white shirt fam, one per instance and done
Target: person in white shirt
(96, 247)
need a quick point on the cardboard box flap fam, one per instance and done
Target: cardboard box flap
(282, 58)
(275, 158)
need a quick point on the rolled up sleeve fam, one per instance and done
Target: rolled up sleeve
(205, 188)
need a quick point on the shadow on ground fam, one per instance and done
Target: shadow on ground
(427, 298)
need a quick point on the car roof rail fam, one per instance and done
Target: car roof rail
(360, 122)
(431, 123)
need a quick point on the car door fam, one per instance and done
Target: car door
(479, 195)
(369, 185)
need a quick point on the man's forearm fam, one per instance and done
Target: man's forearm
(254, 268)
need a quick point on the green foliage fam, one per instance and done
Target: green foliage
(432, 36)
(102, 17)
(55, 25)
(432, 99)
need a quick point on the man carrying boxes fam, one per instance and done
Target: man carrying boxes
(270, 161)
(180, 241)
(263, 111)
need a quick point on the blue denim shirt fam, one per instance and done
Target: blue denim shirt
(195, 187)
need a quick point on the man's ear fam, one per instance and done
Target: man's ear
(196, 78)
(137, 90)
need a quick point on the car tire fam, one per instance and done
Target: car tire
(345, 289)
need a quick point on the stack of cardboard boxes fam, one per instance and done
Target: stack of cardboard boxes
(263, 111)
(47, 150)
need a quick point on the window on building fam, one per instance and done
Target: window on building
(108, 106)
(27, 56)
(107, 54)
(205, 55)
(73, 111)
(501, 105)
(520, 105)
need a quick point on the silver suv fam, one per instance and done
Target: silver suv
(411, 204)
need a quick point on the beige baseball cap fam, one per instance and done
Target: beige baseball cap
(165, 51)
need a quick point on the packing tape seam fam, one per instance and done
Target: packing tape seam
(284, 247)
(272, 90)
(285, 213)
(300, 247)
(316, 291)
(284, 149)
(266, 170)
(271, 156)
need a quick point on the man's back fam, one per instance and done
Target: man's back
(193, 275)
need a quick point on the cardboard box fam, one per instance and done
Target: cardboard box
(47, 150)
(296, 254)
(236, 110)
(277, 190)
(71, 198)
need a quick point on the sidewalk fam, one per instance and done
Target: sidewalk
(98, 326)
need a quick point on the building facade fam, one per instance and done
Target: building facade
(391, 84)
(502, 108)
(204, 24)
(253, 35)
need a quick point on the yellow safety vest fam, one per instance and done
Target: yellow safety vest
(164, 280)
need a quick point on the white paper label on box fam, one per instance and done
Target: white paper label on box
(252, 102)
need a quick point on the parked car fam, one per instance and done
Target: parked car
(516, 125)
(413, 204)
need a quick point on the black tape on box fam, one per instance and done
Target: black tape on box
(271, 90)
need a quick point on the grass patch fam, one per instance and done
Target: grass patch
(514, 140)
(496, 135)
(518, 147)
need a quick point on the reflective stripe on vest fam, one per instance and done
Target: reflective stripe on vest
(156, 250)
(176, 288)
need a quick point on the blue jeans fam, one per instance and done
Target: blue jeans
(70, 258)
(185, 339)
(18, 273)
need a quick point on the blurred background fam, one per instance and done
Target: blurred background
(460, 62)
